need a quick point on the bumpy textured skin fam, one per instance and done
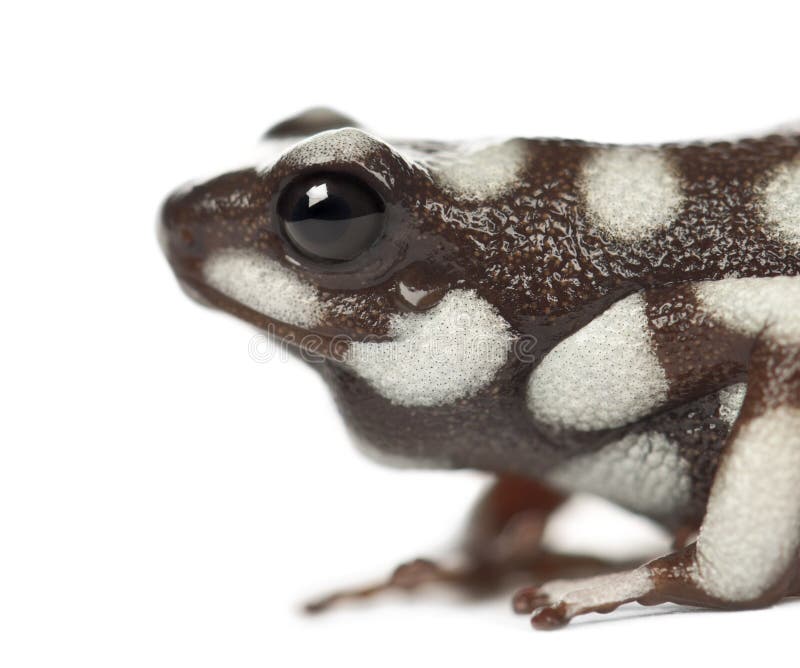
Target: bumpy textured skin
(547, 235)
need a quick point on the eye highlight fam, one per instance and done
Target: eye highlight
(331, 217)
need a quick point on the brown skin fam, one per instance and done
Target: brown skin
(534, 254)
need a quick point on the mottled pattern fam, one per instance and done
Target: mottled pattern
(529, 245)
(552, 239)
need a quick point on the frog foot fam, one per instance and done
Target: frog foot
(406, 577)
(475, 578)
(557, 602)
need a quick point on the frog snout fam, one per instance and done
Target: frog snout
(180, 237)
(176, 232)
(205, 217)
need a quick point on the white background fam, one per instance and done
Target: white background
(167, 501)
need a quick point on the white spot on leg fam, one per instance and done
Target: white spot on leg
(781, 201)
(605, 375)
(751, 531)
(436, 357)
(586, 594)
(753, 306)
(630, 192)
(642, 472)
(263, 285)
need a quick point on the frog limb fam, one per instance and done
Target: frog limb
(746, 554)
(502, 540)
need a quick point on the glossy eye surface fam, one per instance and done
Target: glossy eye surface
(333, 217)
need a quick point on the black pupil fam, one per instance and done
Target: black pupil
(331, 217)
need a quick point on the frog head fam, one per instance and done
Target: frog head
(340, 242)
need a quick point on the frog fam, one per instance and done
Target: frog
(565, 316)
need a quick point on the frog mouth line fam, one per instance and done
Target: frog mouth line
(313, 344)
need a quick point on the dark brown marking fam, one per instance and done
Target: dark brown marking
(774, 379)
(697, 354)
(673, 583)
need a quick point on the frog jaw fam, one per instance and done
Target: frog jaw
(413, 366)
(313, 345)
(264, 293)
(265, 286)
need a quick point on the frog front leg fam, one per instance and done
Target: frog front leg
(502, 539)
(746, 554)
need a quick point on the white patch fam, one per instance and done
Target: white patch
(752, 306)
(584, 594)
(605, 375)
(264, 285)
(630, 192)
(751, 531)
(642, 472)
(479, 171)
(781, 199)
(731, 399)
(436, 357)
(347, 144)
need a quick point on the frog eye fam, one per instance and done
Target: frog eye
(332, 217)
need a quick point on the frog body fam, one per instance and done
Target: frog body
(568, 316)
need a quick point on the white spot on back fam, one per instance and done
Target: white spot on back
(630, 192)
(781, 199)
(479, 172)
(751, 531)
(753, 306)
(264, 285)
(605, 375)
(436, 357)
(642, 472)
